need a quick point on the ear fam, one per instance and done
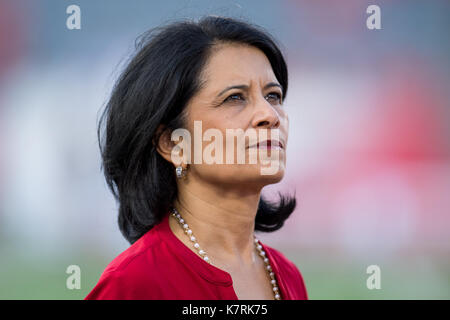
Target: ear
(164, 145)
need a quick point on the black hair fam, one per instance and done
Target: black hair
(154, 89)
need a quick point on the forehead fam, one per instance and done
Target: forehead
(231, 64)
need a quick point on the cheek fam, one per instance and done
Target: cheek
(284, 118)
(284, 125)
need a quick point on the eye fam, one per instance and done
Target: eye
(275, 95)
(233, 97)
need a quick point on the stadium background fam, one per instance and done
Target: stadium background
(368, 152)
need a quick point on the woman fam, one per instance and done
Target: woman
(191, 223)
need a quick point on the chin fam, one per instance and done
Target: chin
(246, 175)
(270, 177)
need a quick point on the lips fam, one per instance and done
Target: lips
(268, 144)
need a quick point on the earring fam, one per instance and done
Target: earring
(181, 172)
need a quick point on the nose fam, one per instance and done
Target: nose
(265, 116)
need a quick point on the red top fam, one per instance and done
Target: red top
(159, 266)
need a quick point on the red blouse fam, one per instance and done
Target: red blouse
(159, 266)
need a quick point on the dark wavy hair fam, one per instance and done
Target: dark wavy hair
(154, 89)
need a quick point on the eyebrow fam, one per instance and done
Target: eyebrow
(244, 86)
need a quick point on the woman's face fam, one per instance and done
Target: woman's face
(255, 106)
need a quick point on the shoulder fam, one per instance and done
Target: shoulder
(289, 271)
(132, 272)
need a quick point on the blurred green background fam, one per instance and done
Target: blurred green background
(326, 276)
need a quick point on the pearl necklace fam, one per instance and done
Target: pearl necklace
(202, 253)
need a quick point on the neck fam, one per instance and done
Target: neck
(221, 219)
